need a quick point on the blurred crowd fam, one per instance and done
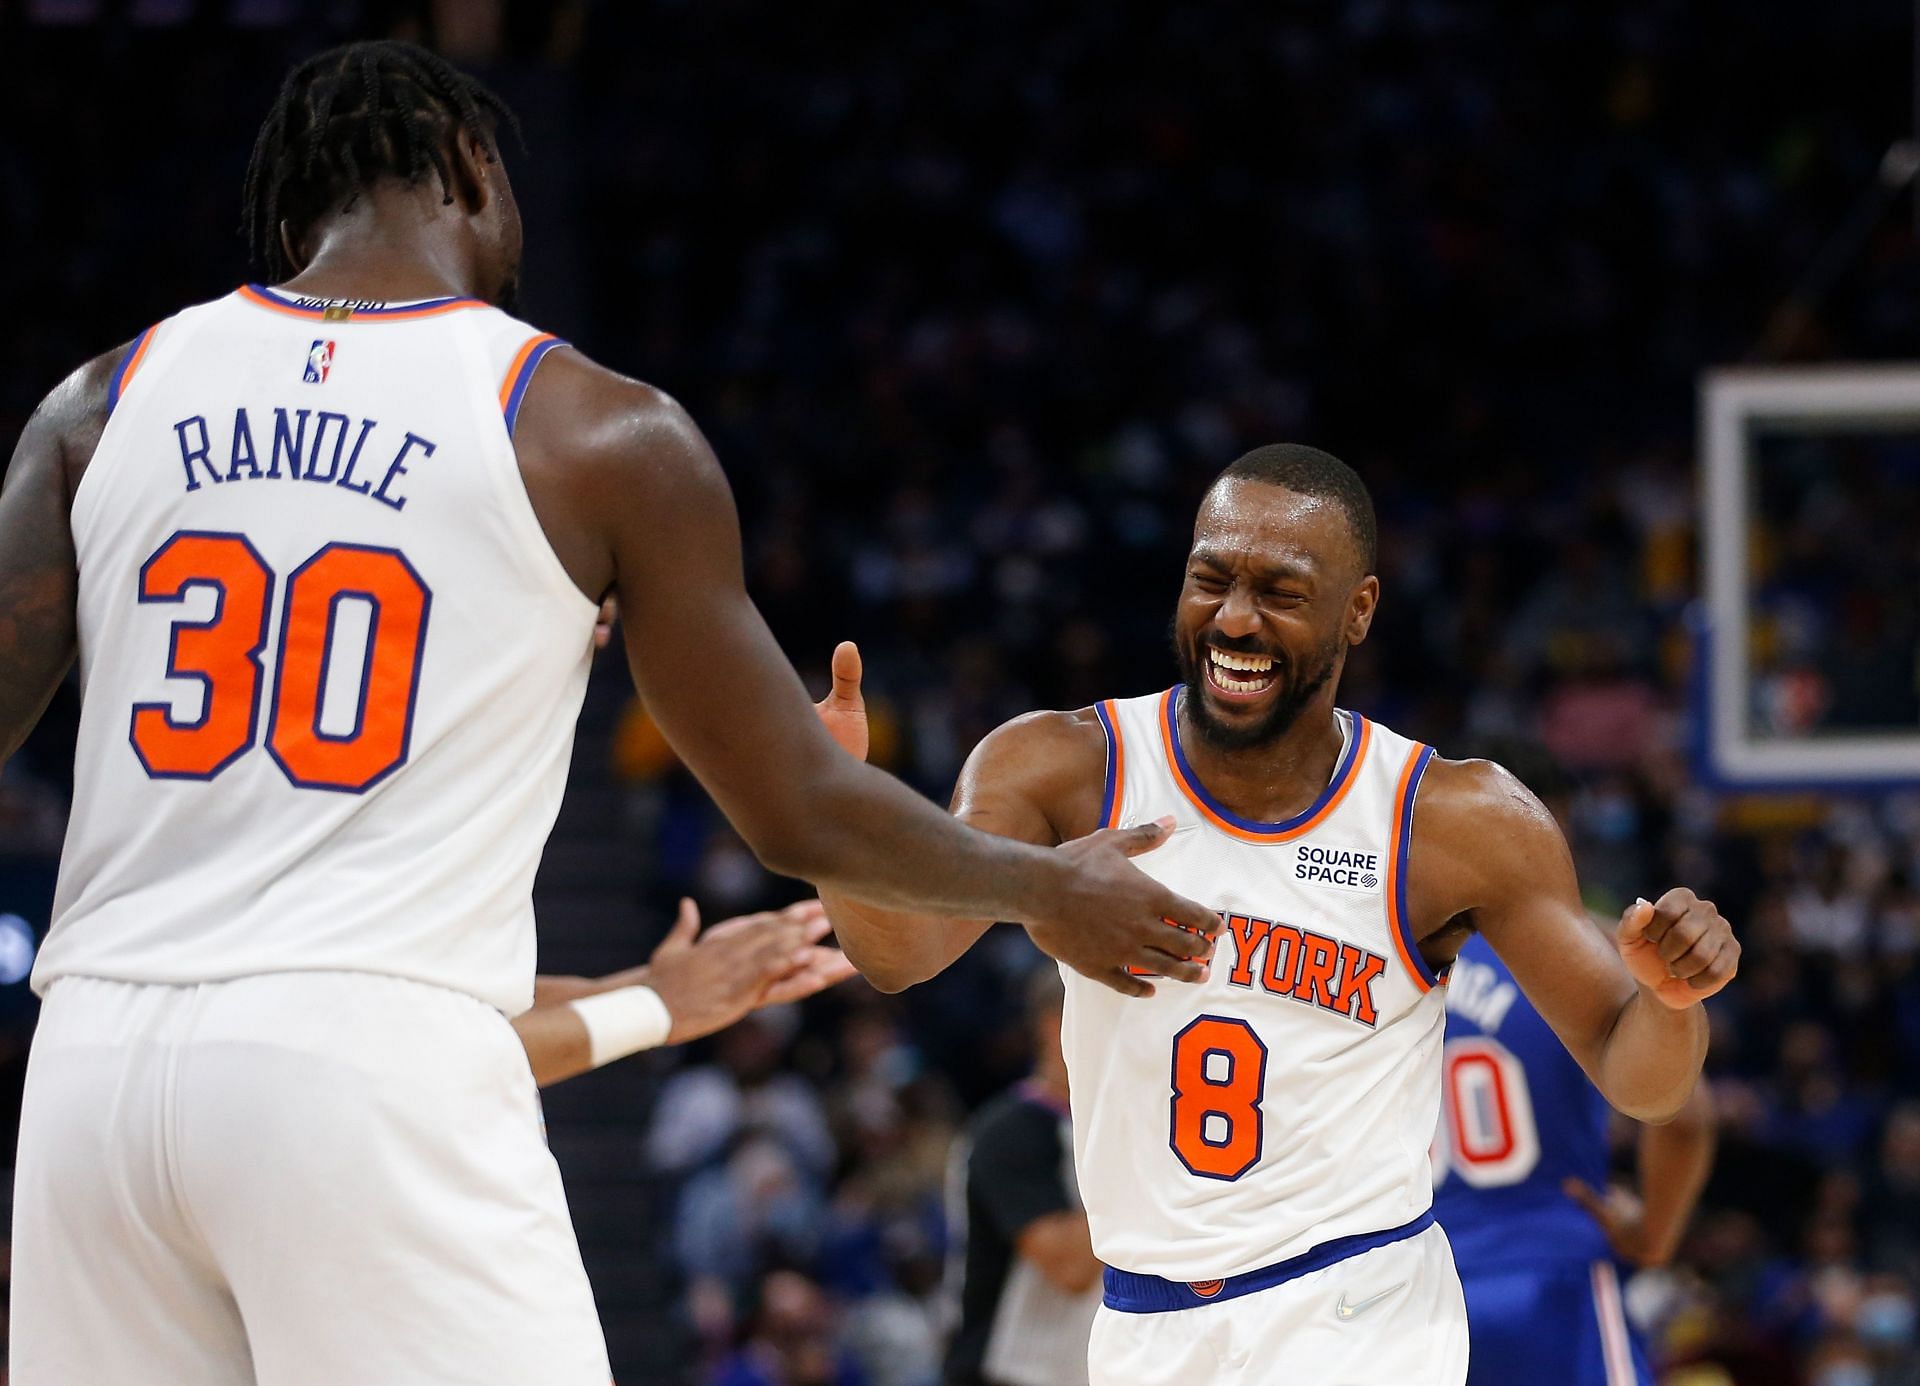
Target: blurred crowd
(972, 301)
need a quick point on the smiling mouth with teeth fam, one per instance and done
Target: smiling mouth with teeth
(1229, 672)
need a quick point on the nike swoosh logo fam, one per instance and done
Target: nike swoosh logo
(1344, 1310)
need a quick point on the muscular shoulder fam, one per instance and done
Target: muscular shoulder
(606, 422)
(1476, 830)
(611, 464)
(1478, 794)
(1047, 768)
(68, 424)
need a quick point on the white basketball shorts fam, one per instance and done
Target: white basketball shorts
(300, 1179)
(1390, 1316)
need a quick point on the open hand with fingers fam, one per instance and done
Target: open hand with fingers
(1112, 916)
(812, 967)
(708, 981)
(1678, 947)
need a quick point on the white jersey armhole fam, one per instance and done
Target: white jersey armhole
(499, 347)
(144, 362)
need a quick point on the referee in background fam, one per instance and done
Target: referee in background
(1030, 1281)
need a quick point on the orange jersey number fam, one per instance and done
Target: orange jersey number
(397, 602)
(1219, 1076)
(223, 654)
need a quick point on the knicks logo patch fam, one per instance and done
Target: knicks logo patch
(1207, 1289)
(1338, 868)
(319, 362)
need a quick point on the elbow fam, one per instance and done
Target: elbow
(1648, 1114)
(1651, 1109)
(1653, 1099)
(889, 976)
(1697, 1117)
(1688, 1109)
(879, 946)
(891, 982)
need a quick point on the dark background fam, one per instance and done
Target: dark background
(972, 300)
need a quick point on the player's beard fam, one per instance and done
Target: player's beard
(1297, 688)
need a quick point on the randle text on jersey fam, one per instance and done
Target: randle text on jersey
(315, 445)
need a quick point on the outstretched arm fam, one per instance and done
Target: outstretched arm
(1022, 778)
(638, 474)
(1487, 852)
(705, 981)
(39, 575)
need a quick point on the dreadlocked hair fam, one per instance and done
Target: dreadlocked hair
(350, 117)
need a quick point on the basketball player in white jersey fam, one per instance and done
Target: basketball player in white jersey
(1252, 1147)
(330, 554)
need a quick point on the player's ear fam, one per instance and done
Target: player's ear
(472, 169)
(1360, 609)
(290, 247)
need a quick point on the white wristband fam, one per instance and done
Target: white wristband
(623, 1022)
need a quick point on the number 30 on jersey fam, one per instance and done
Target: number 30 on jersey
(224, 655)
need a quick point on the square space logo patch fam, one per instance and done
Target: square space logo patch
(1354, 869)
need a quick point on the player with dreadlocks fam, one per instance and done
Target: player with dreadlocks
(330, 550)
(354, 116)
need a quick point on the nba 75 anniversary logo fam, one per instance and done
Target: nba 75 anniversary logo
(1342, 868)
(319, 362)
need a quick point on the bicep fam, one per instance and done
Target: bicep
(895, 949)
(1023, 781)
(708, 668)
(1530, 912)
(39, 581)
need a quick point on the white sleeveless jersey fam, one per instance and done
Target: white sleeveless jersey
(1290, 1099)
(330, 666)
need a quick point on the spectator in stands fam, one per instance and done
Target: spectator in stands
(792, 1340)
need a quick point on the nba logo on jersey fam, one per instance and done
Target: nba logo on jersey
(319, 362)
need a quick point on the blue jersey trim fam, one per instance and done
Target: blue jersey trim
(517, 392)
(121, 371)
(1348, 758)
(318, 309)
(1403, 833)
(1130, 1293)
(1110, 793)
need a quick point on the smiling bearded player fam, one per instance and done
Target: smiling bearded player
(1252, 1147)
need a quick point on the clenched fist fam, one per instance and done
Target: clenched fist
(1679, 947)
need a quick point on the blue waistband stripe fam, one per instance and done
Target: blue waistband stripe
(1149, 1294)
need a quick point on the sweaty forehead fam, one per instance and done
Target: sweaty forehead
(1270, 526)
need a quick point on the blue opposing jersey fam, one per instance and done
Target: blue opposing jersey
(1518, 1118)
